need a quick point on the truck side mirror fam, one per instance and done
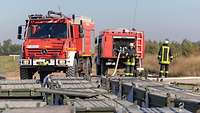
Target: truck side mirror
(82, 35)
(73, 17)
(95, 41)
(19, 36)
(81, 30)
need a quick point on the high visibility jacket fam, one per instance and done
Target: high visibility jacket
(165, 55)
(131, 57)
(130, 61)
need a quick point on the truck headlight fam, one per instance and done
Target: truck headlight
(26, 62)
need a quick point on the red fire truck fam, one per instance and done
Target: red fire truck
(112, 41)
(55, 43)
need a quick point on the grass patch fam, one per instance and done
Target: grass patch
(8, 64)
(181, 66)
(151, 63)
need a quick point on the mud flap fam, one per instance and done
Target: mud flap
(71, 56)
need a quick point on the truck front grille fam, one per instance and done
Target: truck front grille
(41, 52)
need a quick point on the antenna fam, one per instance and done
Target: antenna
(135, 14)
(59, 8)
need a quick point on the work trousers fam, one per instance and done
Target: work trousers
(164, 70)
(129, 70)
(130, 66)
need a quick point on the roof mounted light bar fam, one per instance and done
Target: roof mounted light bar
(36, 16)
(53, 14)
(123, 37)
(50, 14)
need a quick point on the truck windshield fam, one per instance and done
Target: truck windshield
(47, 30)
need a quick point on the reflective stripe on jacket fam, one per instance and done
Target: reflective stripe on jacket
(165, 54)
(129, 74)
(130, 61)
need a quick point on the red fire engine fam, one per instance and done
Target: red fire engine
(111, 42)
(55, 43)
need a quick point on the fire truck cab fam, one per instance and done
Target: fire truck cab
(112, 41)
(54, 43)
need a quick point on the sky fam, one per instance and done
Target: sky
(159, 19)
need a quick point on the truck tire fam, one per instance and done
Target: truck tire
(88, 66)
(103, 68)
(98, 70)
(72, 71)
(24, 73)
(42, 76)
(98, 67)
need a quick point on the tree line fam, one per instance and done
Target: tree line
(185, 48)
(7, 47)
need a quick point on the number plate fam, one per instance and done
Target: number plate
(41, 62)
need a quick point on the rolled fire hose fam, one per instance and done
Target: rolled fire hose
(116, 64)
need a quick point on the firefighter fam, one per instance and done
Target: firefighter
(130, 64)
(165, 57)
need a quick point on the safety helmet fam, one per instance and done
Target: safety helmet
(131, 44)
(166, 41)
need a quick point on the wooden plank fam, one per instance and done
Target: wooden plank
(21, 104)
(68, 92)
(48, 109)
(157, 92)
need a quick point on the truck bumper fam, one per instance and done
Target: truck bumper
(46, 62)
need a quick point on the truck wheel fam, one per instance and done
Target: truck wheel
(73, 70)
(103, 68)
(88, 66)
(98, 69)
(24, 74)
(42, 76)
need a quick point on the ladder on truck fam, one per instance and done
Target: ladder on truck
(140, 49)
